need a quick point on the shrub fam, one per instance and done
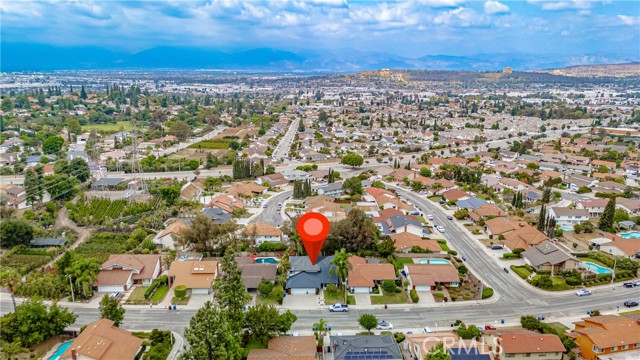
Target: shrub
(414, 296)
(542, 281)
(573, 281)
(501, 237)
(389, 286)
(521, 271)
(438, 295)
(510, 256)
(486, 293)
(180, 291)
(399, 337)
(265, 287)
(164, 279)
(331, 290)
(278, 293)
(452, 252)
(150, 289)
(271, 247)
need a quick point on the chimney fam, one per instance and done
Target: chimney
(74, 354)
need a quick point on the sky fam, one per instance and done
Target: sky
(410, 28)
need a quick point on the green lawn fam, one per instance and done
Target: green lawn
(632, 312)
(351, 300)
(138, 294)
(183, 301)
(435, 198)
(159, 294)
(399, 262)
(109, 127)
(444, 246)
(337, 298)
(395, 298)
(522, 272)
(559, 284)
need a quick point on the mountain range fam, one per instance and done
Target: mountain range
(40, 57)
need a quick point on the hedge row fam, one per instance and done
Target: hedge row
(414, 296)
(487, 293)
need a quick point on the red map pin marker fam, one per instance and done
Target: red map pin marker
(313, 228)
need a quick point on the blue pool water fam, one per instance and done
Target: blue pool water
(598, 269)
(266, 261)
(61, 349)
(434, 261)
(566, 228)
(631, 235)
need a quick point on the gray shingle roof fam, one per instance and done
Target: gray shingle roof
(544, 253)
(310, 276)
(471, 203)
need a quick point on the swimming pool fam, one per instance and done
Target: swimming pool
(434, 261)
(266, 260)
(60, 350)
(566, 228)
(598, 269)
(631, 235)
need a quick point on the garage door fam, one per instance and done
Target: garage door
(111, 288)
(201, 291)
(423, 288)
(361, 290)
(302, 291)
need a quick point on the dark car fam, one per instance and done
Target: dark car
(450, 217)
(630, 303)
(496, 247)
(628, 284)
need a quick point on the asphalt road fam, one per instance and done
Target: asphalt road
(270, 214)
(282, 149)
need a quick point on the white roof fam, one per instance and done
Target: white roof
(599, 241)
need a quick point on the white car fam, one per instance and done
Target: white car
(127, 195)
(383, 325)
(440, 228)
(427, 330)
(430, 217)
(583, 292)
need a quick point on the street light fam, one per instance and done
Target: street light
(613, 275)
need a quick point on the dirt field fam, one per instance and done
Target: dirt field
(197, 154)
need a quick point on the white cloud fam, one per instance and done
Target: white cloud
(562, 5)
(460, 17)
(494, 7)
(440, 3)
(629, 20)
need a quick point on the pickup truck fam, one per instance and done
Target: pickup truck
(339, 308)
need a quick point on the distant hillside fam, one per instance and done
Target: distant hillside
(605, 70)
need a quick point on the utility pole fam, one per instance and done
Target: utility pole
(613, 275)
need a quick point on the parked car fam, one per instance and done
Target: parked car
(339, 308)
(440, 228)
(489, 327)
(429, 216)
(441, 202)
(628, 284)
(583, 292)
(127, 195)
(450, 217)
(383, 325)
(264, 206)
(496, 247)
(630, 303)
(414, 213)
(636, 283)
(427, 330)
(115, 295)
(505, 270)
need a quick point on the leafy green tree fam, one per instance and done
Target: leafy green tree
(620, 215)
(352, 159)
(386, 247)
(265, 321)
(32, 323)
(368, 321)
(52, 145)
(211, 336)
(461, 214)
(230, 292)
(7, 105)
(606, 219)
(60, 186)
(355, 233)
(352, 186)
(180, 129)
(31, 186)
(468, 332)
(546, 195)
(80, 169)
(73, 126)
(111, 309)
(11, 349)
(170, 194)
(542, 281)
(15, 232)
(438, 352)
(265, 287)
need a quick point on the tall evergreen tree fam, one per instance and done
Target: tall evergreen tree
(83, 93)
(31, 186)
(542, 218)
(606, 219)
(230, 292)
(211, 336)
(546, 195)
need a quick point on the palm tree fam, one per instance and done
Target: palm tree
(320, 326)
(341, 268)
(10, 349)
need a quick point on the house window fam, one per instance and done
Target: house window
(509, 355)
(542, 354)
(636, 345)
(625, 347)
(527, 355)
(615, 348)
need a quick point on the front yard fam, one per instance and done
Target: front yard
(388, 298)
(137, 296)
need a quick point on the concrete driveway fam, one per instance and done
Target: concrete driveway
(301, 301)
(362, 299)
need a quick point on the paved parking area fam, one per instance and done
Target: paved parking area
(426, 298)
(300, 301)
(362, 299)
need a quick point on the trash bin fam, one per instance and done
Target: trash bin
(174, 307)
(501, 321)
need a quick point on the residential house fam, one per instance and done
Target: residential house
(523, 238)
(197, 276)
(293, 175)
(304, 278)
(595, 207)
(471, 203)
(227, 202)
(547, 256)
(565, 216)
(500, 225)
(632, 206)
(425, 277)
(217, 215)
(486, 211)
(332, 211)
(247, 190)
(609, 187)
(286, 348)
(350, 347)
(601, 337)
(263, 232)
(525, 346)
(363, 276)
(169, 238)
(455, 194)
(274, 180)
(254, 273)
(405, 241)
(190, 191)
(121, 271)
(16, 196)
(619, 246)
(333, 189)
(102, 340)
(9, 158)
